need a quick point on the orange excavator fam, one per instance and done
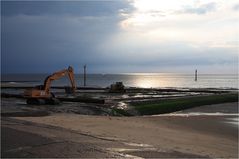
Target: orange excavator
(42, 95)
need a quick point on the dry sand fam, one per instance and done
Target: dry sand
(207, 136)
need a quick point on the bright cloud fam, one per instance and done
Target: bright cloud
(210, 23)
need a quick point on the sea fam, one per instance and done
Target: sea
(143, 80)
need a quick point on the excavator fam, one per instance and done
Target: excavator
(42, 95)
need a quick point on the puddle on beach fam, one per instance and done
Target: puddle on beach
(233, 121)
(228, 118)
(133, 147)
(137, 150)
(137, 145)
(123, 149)
(198, 114)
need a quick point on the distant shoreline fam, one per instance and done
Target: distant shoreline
(13, 85)
(234, 74)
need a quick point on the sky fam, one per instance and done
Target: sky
(124, 36)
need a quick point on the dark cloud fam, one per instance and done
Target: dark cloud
(35, 42)
(43, 36)
(202, 9)
(77, 8)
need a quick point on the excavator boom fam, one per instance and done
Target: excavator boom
(58, 75)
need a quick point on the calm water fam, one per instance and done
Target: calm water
(134, 80)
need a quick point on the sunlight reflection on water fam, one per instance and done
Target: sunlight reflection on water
(144, 80)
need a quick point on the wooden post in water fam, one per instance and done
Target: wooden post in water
(196, 75)
(84, 75)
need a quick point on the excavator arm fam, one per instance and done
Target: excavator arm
(57, 75)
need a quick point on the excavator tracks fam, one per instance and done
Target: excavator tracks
(37, 101)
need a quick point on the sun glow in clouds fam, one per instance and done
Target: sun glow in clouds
(155, 5)
(148, 11)
(198, 23)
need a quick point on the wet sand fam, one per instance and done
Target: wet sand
(21, 139)
(201, 136)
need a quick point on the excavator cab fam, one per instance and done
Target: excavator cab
(39, 87)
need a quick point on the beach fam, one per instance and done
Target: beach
(146, 136)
